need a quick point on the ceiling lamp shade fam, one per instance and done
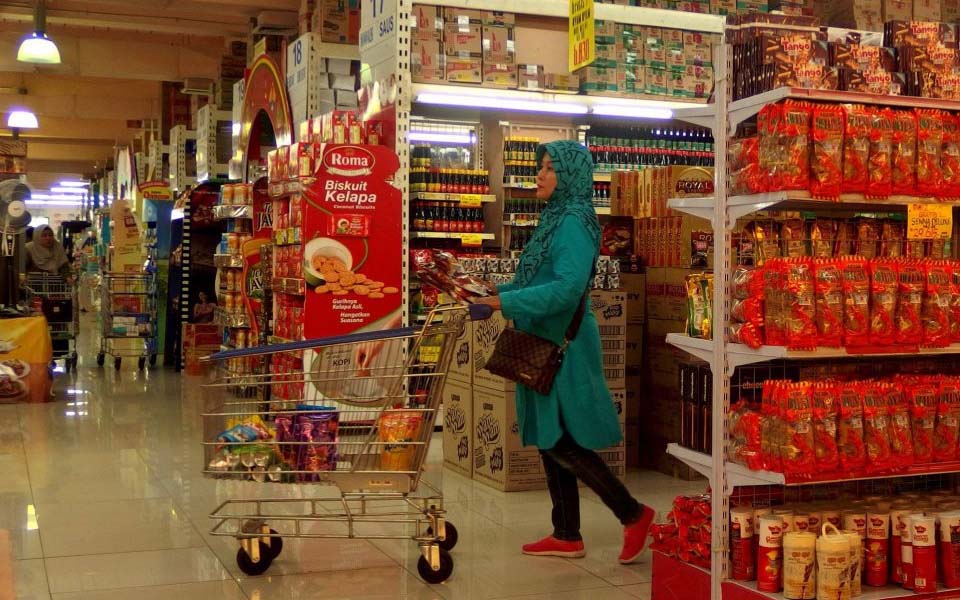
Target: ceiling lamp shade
(37, 47)
(22, 119)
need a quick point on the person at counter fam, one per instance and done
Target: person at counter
(46, 255)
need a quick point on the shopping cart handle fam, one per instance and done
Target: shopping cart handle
(353, 338)
(480, 312)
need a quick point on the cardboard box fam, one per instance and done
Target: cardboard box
(561, 82)
(610, 310)
(503, 76)
(499, 458)
(426, 22)
(427, 61)
(655, 56)
(605, 32)
(468, 70)
(458, 427)
(897, 10)
(926, 10)
(632, 80)
(634, 287)
(606, 56)
(530, 77)
(950, 10)
(339, 21)
(462, 42)
(597, 79)
(656, 80)
(666, 296)
(499, 44)
(615, 456)
(485, 334)
(463, 16)
(461, 368)
(495, 17)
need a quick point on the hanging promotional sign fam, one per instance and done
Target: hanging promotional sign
(158, 191)
(127, 257)
(581, 44)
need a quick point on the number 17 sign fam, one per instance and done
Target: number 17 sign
(581, 46)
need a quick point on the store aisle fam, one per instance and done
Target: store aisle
(103, 498)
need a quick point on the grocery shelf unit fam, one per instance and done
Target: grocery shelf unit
(723, 210)
(213, 137)
(182, 174)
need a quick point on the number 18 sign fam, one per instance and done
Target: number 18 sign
(581, 46)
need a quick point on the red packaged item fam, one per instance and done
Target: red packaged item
(829, 302)
(826, 165)
(745, 440)
(856, 301)
(745, 333)
(746, 176)
(950, 157)
(955, 305)
(749, 310)
(801, 321)
(880, 181)
(769, 152)
(825, 417)
(910, 284)
(883, 301)
(794, 134)
(876, 428)
(856, 147)
(442, 270)
(742, 558)
(929, 149)
(901, 434)
(936, 311)
(776, 309)
(771, 428)
(948, 420)
(922, 398)
(904, 153)
(850, 430)
(798, 455)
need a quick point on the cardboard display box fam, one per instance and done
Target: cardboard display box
(499, 44)
(503, 76)
(457, 427)
(530, 77)
(462, 42)
(616, 456)
(339, 21)
(427, 61)
(426, 22)
(499, 458)
(461, 368)
(464, 70)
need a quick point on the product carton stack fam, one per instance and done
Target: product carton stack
(199, 340)
(318, 85)
(337, 21)
(427, 60)
(610, 311)
(232, 66)
(635, 291)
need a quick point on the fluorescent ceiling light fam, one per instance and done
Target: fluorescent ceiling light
(500, 103)
(446, 138)
(55, 203)
(69, 190)
(631, 111)
(38, 48)
(75, 184)
(22, 119)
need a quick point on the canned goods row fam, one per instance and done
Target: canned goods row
(236, 194)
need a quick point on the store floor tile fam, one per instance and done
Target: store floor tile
(104, 499)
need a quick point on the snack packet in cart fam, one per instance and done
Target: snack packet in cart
(443, 271)
(316, 433)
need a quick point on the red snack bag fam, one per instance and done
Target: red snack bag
(825, 417)
(745, 438)
(904, 153)
(745, 333)
(856, 301)
(955, 303)
(929, 149)
(880, 181)
(776, 310)
(747, 283)
(829, 302)
(856, 147)
(876, 428)
(922, 395)
(937, 325)
(883, 301)
(768, 151)
(801, 322)
(850, 430)
(826, 166)
(950, 157)
(901, 434)
(749, 310)
(771, 429)
(797, 454)
(910, 284)
(948, 420)
(746, 176)
(794, 135)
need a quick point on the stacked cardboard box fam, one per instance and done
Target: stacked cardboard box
(463, 45)
(644, 193)
(199, 340)
(319, 85)
(337, 21)
(427, 61)
(635, 290)
(499, 50)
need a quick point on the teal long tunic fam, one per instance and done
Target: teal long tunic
(579, 401)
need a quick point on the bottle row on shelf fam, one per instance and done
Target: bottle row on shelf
(446, 217)
(449, 181)
(641, 147)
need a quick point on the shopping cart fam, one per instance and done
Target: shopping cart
(56, 297)
(365, 429)
(128, 311)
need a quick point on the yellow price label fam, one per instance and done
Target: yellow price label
(471, 200)
(471, 239)
(929, 221)
(581, 42)
(429, 354)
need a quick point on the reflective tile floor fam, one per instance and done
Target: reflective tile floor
(102, 495)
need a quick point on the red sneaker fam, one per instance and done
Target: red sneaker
(551, 546)
(635, 536)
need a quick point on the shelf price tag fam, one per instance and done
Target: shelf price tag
(471, 239)
(929, 221)
(581, 45)
(470, 200)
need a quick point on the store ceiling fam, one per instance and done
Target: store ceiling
(115, 54)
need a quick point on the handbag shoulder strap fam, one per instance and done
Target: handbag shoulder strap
(574, 328)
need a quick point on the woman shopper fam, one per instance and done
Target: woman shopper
(578, 416)
(46, 254)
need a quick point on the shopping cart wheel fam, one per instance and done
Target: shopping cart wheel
(142, 362)
(440, 575)
(276, 545)
(251, 568)
(117, 362)
(448, 542)
(100, 359)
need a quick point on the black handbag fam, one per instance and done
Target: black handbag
(531, 360)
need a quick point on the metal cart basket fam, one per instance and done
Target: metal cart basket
(128, 311)
(361, 418)
(56, 297)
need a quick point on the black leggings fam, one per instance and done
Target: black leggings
(564, 464)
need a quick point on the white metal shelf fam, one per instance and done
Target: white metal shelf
(441, 235)
(239, 211)
(889, 592)
(342, 51)
(737, 475)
